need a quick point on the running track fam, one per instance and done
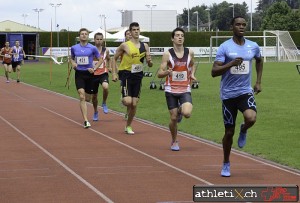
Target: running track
(47, 156)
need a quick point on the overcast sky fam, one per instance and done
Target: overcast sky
(74, 14)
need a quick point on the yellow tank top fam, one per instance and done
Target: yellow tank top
(135, 56)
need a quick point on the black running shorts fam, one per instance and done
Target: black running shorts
(231, 106)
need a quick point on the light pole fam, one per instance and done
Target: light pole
(38, 10)
(151, 7)
(101, 22)
(251, 17)
(188, 15)
(56, 25)
(24, 15)
(208, 18)
(196, 12)
(232, 6)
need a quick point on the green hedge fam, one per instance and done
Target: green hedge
(157, 39)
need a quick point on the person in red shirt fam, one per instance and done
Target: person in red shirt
(177, 67)
(101, 76)
(7, 56)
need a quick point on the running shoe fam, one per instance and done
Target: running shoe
(86, 124)
(128, 130)
(175, 146)
(7, 81)
(105, 109)
(226, 170)
(96, 116)
(18, 80)
(242, 138)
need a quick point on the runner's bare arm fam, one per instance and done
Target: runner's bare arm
(114, 68)
(192, 64)
(164, 70)
(148, 56)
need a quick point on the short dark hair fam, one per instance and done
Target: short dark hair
(82, 29)
(133, 24)
(125, 32)
(233, 19)
(98, 33)
(177, 29)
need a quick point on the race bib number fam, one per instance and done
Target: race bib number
(136, 68)
(179, 76)
(243, 68)
(7, 55)
(16, 56)
(82, 60)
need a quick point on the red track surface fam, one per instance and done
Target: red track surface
(47, 156)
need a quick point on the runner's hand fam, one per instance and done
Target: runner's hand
(114, 77)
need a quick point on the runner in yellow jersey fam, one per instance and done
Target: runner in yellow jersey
(133, 54)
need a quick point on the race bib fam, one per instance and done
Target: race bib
(179, 76)
(82, 60)
(7, 56)
(136, 68)
(243, 68)
(16, 56)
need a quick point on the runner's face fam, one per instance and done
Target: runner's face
(99, 40)
(239, 27)
(128, 36)
(84, 35)
(178, 38)
(7, 44)
(135, 32)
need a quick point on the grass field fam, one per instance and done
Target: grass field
(275, 136)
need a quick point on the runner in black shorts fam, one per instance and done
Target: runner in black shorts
(133, 53)
(101, 76)
(82, 56)
(177, 67)
(233, 63)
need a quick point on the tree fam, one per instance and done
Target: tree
(277, 17)
(263, 5)
(294, 19)
(222, 14)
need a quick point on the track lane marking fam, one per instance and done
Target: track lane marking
(81, 179)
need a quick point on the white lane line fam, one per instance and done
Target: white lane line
(89, 185)
(191, 137)
(218, 146)
(134, 149)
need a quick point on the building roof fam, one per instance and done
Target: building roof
(11, 26)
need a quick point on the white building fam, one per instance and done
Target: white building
(151, 19)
